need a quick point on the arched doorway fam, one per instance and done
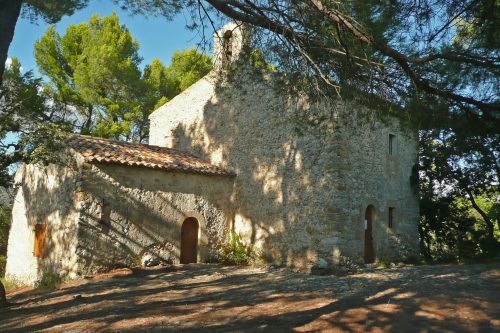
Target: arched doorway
(189, 240)
(368, 226)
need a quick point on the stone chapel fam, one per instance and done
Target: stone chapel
(303, 182)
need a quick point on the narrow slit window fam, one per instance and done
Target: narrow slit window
(391, 217)
(392, 144)
(105, 212)
(40, 232)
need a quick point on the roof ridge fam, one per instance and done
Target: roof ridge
(146, 145)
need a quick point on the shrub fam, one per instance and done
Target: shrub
(10, 284)
(234, 252)
(383, 262)
(49, 280)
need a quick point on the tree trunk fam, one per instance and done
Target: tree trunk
(9, 13)
(424, 243)
(3, 298)
(487, 220)
(85, 129)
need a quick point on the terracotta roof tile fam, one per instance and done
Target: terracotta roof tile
(101, 150)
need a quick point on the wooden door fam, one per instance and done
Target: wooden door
(40, 232)
(189, 240)
(369, 250)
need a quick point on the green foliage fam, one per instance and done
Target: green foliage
(490, 204)
(234, 252)
(160, 84)
(187, 67)
(94, 67)
(166, 8)
(258, 60)
(160, 102)
(383, 262)
(10, 284)
(51, 11)
(30, 121)
(137, 261)
(459, 193)
(452, 230)
(49, 280)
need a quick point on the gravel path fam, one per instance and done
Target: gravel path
(214, 298)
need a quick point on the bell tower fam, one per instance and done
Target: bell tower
(229, 44)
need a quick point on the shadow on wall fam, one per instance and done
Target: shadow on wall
(51, 198)
(106, 241)
(143, 217)
(287, 155)
(47, 193)
(282, 153)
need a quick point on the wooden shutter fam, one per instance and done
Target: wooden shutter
(40, 231)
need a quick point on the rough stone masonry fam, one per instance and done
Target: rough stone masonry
(306, 171)
(304, 182)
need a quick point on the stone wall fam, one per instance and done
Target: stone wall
(105, 216)
(305, 171)
(44, 195)
(369, 175)
(143, 213)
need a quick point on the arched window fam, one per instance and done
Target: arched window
(227, 47)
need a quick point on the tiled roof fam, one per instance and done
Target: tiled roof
(101, 150)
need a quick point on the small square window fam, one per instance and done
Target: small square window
(392, 144)
(391, 217)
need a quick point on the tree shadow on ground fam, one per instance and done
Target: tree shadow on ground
(213, 298)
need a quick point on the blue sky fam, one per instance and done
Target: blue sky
(157, 36)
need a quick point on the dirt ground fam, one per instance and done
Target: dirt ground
(214, 298)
